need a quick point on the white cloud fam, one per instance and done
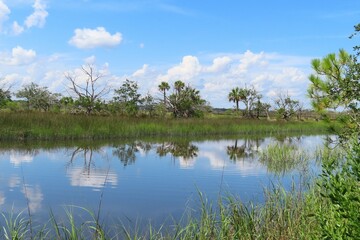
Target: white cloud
(4, 12)
(17, 29)
(218, 64)
(142, 45)
(186, 70)
(21, 56)
(90, 60)
(141, 72)
(38, 17)
(93, 38)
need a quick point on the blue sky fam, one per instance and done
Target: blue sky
(211, 45)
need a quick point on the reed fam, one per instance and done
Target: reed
(49, 126)
(283, 215)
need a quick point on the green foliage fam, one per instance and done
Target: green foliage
(5, 97)
(282, 158)
(186, 101)
(129, 98)
(336, 84)
(38, 98)
(286, 107)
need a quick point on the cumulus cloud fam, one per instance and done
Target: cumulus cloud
(141, 72)
(17, 29)
(93, 38)
(4, 12)
(21, 56)
(38, 17)
(219, 64)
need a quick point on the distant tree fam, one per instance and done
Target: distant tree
(39, 98)
(285, 106)
(186, 101)
(5, 95)
(127, 95)
(235, 96)
(163, 87)
(260, 108)
(66, 102)
(87, 87)
(179, 85)
(248, 97)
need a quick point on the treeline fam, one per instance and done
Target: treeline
(87, 96)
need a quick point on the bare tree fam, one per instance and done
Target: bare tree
(285, 106)
(88, 90)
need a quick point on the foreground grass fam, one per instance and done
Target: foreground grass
(28, 125)
(284, 215)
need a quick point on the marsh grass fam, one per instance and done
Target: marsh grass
(282, 158)
(283, 215)
(31, 125)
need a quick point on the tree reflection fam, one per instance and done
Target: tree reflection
(89, 174)
(248, 148)
(85, 152)
(127, 152)
(185, 149)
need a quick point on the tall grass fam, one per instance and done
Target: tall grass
(31, 125)
(283, 215)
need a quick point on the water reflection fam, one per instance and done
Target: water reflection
(24, 156)
(244, 149)
(143, 178)
(87, 173)
(127, 152)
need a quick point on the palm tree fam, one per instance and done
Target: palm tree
(235, 96)
(179, 85)
(163, 87)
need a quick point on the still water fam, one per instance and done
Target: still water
(143, 180)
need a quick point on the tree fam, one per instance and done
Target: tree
(87, 88)
(5, 95)
(234, 96)
(163, 87)
(260, 108)
(39, 98)
(186, 101)
(248, 96)
(285, 106)
(128, 96)
(335, 85)
(179, 85)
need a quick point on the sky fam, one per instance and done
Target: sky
(210, 45)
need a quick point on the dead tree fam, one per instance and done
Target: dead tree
(87, 87)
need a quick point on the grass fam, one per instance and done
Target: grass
(282, 158)
(50, 126)
(284, 215)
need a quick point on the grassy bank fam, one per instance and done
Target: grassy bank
(20, 126)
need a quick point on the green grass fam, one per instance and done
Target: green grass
(284, 215)
(282, 158)
(37, 125)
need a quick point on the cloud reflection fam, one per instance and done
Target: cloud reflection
(96, 179)
(34, 195)
(17, 158)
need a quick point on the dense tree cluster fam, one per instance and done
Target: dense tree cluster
(87, 90)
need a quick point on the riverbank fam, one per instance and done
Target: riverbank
(54, 126)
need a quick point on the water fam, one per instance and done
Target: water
(139, 180)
